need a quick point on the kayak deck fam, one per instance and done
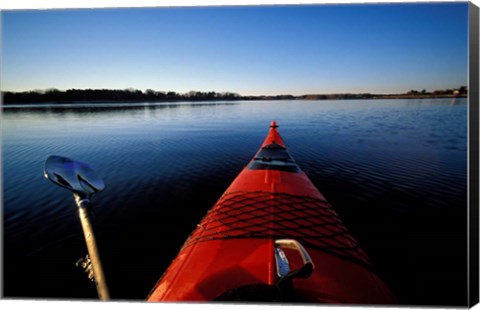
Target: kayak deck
(249, 214)
(234, 253)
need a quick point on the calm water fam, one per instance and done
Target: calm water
(395, 170)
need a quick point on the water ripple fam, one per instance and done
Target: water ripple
(386, 166)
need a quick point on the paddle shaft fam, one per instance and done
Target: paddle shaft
(99, 276)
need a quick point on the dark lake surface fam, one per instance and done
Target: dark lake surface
(394, 170)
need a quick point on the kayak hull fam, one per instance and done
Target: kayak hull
(231, 255)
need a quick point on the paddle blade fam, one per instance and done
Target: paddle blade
(73, 175)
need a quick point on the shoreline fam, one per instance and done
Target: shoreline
(246, 98)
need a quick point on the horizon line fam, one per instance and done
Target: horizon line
(420, 89)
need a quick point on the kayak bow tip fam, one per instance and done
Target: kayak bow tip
(273, 137)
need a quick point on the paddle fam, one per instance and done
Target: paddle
(82, 180)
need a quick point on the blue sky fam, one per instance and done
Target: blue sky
(249, 50)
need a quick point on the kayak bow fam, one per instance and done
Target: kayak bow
(272, 236)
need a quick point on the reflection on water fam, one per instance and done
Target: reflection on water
(395, 170)
(100, 107)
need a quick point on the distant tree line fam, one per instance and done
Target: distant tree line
(111, 95)
(149, 95)
(338, 96)
(446, 93)
(461, 91)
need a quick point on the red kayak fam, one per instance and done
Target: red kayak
(272, 236)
